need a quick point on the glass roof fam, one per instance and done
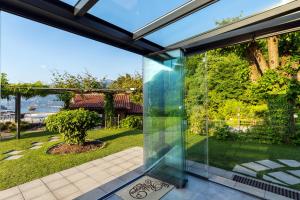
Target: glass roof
(71, 2)
(133, 14)
(210, 18)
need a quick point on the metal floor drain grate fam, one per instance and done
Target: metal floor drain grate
(268, 187)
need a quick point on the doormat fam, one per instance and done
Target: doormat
(146, 188)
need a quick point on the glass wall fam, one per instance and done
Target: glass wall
(243, 104)
(164, 117)
(56, 73)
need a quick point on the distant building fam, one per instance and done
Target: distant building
(95, 102)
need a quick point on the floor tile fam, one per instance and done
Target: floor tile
(76, 177)
(69, 172)
(52, 177)
(270, 164)
(65, 191)
(254, 166)
(244, 170)
(9, 192)
(86, 184)
(15, 197)
(290, 163)
(286, 178)
(35, 192)
(270, 179)
(30, 185)
(295, 172)
(47, 196)
(57, 183)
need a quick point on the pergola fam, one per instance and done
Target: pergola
(163, 32)
(77, 19)
(52, 90)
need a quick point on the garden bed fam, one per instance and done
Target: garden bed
(74, 148)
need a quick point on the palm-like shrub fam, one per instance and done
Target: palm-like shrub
(72, 124)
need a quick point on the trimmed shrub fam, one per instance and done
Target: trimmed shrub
(132, 122)
(72, 124)
(224, 133)
(11, 126)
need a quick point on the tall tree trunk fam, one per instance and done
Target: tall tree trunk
(255, 74)
(260, 60)
(273, 52)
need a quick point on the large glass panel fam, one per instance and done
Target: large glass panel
(164, 140)
(251, 111)
(133, 14)
(196, 102)
(212, 16)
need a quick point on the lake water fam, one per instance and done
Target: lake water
(48, 104)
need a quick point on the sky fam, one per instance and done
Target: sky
(31, 51)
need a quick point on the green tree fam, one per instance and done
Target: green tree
(85, 81)
(128, 81)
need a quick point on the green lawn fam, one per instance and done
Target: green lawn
(36, 163)
(226, 154)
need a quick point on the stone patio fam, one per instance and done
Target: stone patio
(101, 175)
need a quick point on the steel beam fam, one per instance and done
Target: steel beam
(61, 15)
(83, 6)
(251, 20)
(280, 25)
(171, 17)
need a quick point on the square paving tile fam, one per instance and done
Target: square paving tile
(255, 166)
(69, 172)
(65, 191)
(251, 190)
(290, 163)
(35, 192)
(115, 169)
(85, 166)
(9, 193)
(91, 171)
(86, 184)
(73, 196)
(77, 176)
(15, 197)
(244, 170)
(15, 157)
(295, 172)
(100, 176)
(14, 152)
(47, 196)
(58, 183)
(270, 164)
(126, 165)
(289, 179)
(273, 180)
(52, 177)
(30, 185)
(35, 147)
